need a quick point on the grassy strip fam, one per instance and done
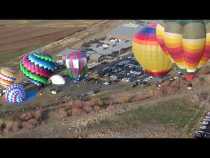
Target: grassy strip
(177, 113)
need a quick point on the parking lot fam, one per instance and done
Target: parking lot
(204, 131)
(126, 70)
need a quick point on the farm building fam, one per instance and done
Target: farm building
(112, 47)
(104, 49)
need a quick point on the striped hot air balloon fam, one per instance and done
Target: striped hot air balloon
(149, 54)
(7, 76)
(187, 42)
(76, 63)
(15, 94)
(38, 67)
(160, 32)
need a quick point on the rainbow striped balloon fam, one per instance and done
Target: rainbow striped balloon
(38, 67)
(149, 54)
(187, 42)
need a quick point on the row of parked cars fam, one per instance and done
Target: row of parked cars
(125, 70)
(204, 131)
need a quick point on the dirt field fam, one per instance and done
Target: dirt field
(19, 37)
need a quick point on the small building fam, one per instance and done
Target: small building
(94, 58)
(112, 47)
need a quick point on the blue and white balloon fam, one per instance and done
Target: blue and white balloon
(15, 94)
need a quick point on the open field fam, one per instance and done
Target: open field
(171, 117)
(17, 38)
(20, 37)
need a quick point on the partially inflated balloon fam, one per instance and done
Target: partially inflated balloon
(57, 80)
(149, 54)
(187, 42)
(15, 94)
(38, 67)
(76, 63)
(7, 76)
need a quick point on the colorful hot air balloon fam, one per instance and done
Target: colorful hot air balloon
(38, 67)
(187, 42)
(76, 63)
(149, 54)
(15, 94)
(7, 76)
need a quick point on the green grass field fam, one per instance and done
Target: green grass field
(176, 113)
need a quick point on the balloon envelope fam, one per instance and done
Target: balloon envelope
(149, 54)
(7, 76)
(187, 42)
(38, 67)
(15, 94)
(76, 63)
(57, 80)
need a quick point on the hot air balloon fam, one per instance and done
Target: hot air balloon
(76, 63)
(149, 54)
(15, 94)
(57, 80)
(187, 42)
(7, 76)
(38, 67)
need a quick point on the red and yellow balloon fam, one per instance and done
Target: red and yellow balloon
(186, 42)
(149, 54)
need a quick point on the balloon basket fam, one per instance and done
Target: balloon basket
(157, 74)
(190, 77)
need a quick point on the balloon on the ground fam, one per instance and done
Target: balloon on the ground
(38, 67)
(7, 76)
(76, 63)
(149, 54)
(15, 94)
(57, 80)
(187, 42)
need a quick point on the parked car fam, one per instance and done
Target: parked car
(107, 83)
